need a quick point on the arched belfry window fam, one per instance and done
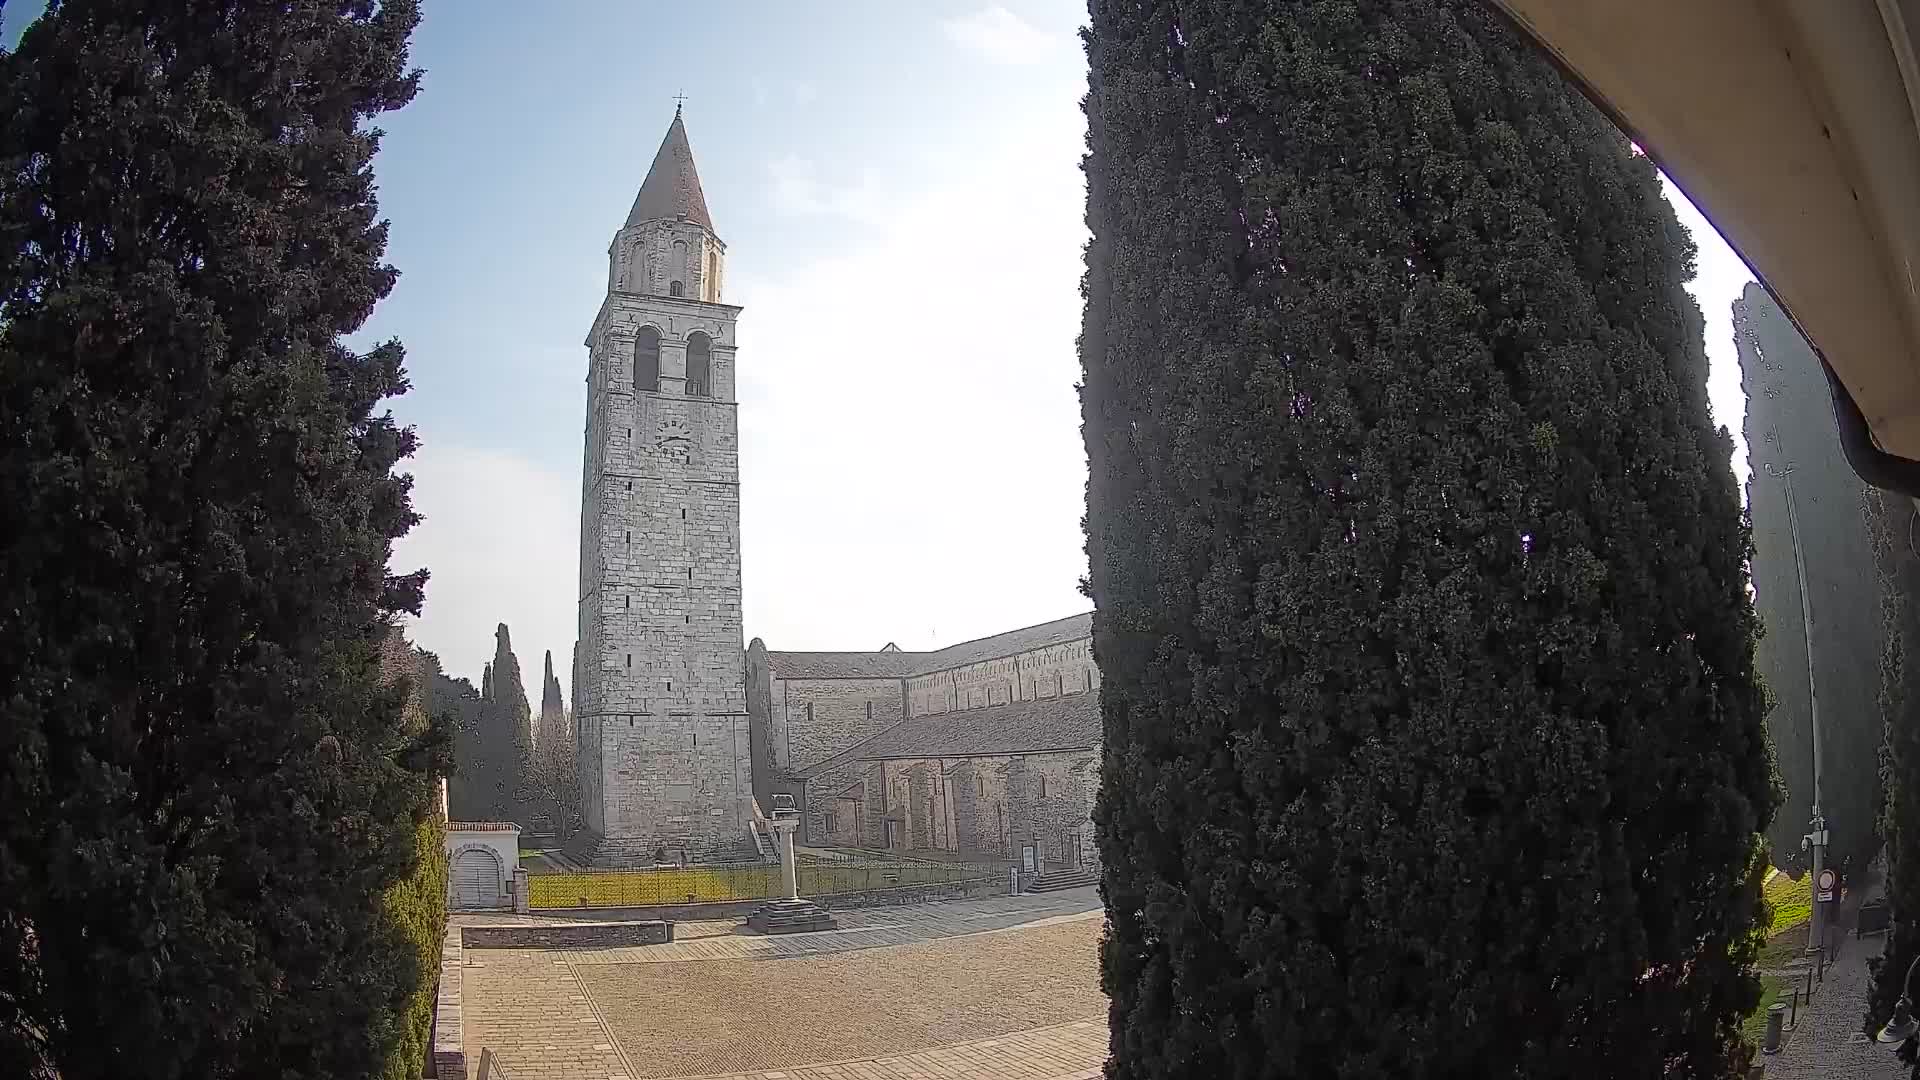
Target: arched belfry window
(646, 360)
(677, 288)
(680, 271)
(699, 365)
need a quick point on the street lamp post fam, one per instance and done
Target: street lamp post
(1815, 842)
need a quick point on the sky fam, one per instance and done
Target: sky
(898, 187)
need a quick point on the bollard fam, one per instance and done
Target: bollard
(1793, 1018)
(1776, 1019)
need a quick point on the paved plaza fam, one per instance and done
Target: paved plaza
(1003, 987)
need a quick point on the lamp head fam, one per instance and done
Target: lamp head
(1902, 1026)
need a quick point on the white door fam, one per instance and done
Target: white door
(476, 880)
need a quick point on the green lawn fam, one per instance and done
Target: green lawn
(1783, 948)
(1792, 901)
(1772, 989)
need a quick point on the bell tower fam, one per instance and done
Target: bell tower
(660, 698)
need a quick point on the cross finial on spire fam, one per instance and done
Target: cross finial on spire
(679, 99)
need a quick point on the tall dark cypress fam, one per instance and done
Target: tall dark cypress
(1434, 746)
(1895, 523)
(205, 788)
(511, 722)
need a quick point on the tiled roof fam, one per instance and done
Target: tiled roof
(1069, 722)
(842, 665)
(1057, 632)
(891, 663)
(672, 187)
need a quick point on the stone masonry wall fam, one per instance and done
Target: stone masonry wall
(988, 806)
(664, 741)
(1038, 673)
(814, 719)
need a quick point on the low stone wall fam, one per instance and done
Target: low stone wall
(568, 935)
(449, 1041)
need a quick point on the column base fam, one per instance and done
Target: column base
(789, 916)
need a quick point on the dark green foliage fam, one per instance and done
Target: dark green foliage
(493, 740)
(417, 907)
(511, 721)
(1434, 746)
(470, 787)
(205, 787)
(1896, 532)
(1789, 422)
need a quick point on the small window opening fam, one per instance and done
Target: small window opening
(627, 602)
(629, 660)
(629, 485)
(982, 781)
(676, 289)
(1043, 787)
(669, 685)
(683, 513)
(869, 710)
(646, 360)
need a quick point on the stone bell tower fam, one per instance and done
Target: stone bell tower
(660, 690)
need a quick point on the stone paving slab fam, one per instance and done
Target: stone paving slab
(722, 1016)
(1021, 971)
(1073, 1051)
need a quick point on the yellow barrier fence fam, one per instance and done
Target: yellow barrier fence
(709, 884)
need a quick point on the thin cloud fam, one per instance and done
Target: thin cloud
(999, 35)
(794, 187)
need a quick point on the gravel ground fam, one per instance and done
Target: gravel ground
(722, 1016)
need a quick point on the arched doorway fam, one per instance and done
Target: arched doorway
(476, 879)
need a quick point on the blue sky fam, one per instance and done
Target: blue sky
(899, 190)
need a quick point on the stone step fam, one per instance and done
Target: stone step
(1055, 880)
(790, 917)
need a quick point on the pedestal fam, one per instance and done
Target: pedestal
(788, 914)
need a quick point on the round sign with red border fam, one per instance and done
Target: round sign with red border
(1824, 892)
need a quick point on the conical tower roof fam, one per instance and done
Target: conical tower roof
(672, 187)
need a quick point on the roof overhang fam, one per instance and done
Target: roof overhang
(1794, 126)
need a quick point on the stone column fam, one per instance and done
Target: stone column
(789, 871)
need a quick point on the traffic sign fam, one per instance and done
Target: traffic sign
(1823, 890)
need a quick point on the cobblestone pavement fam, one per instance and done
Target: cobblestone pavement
(1006, 987)
(1827, 1042)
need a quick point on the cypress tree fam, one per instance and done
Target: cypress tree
(1790, 426)
(511, 726)
(1433, 742)
(1895, 524)
(206, 790)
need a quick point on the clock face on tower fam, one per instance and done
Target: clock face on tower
(673, 441)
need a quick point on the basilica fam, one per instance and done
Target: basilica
(988, 748)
